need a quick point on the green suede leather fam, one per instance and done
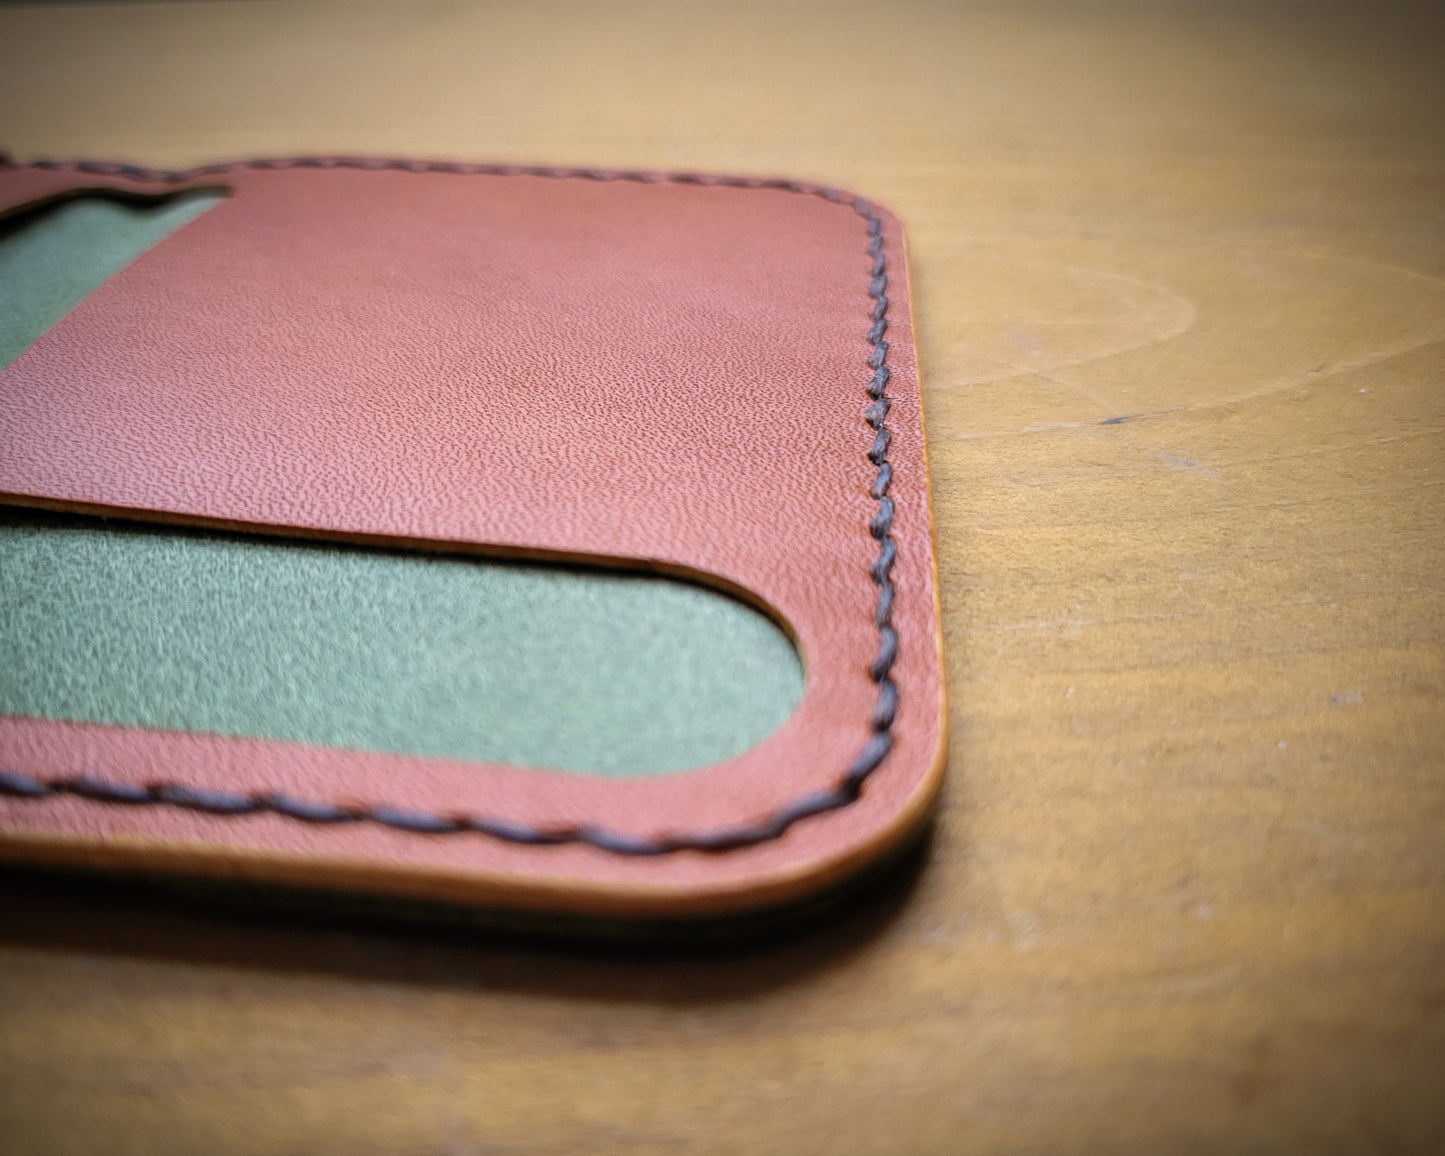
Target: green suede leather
(384, 650)
(587, 671)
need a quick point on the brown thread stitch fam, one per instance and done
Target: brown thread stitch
(880, 527)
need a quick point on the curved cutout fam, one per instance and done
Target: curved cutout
(333, 645)
(56, 252)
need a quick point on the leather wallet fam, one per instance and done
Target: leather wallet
(702, 376)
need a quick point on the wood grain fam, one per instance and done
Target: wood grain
(1181, 284)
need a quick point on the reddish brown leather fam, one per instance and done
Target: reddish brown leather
(663, 374)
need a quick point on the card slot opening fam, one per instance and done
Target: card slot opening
(458, 656)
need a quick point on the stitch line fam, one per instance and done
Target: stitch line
(847, 790)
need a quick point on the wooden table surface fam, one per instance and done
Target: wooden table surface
(1180, 272)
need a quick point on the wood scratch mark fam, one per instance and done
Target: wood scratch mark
(1361, 362)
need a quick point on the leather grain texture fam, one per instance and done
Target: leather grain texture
(655, 373)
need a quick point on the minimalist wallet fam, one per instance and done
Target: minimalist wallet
(541, 541)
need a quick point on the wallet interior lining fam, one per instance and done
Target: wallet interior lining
(335, 645)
